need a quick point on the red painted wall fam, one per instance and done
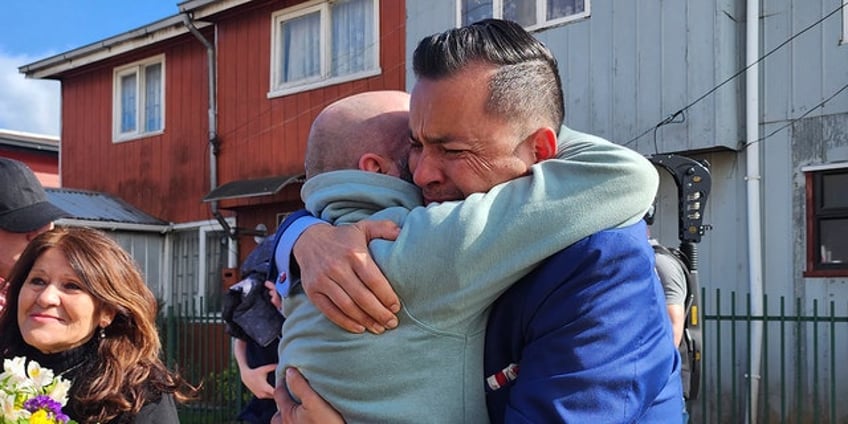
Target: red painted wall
(167, 175)
(45, 165)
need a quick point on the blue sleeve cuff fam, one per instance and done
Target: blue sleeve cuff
(283, 251)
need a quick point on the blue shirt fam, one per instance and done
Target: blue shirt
(585, 338)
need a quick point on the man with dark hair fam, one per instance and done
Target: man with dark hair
(446, 297)
(24, 214)
(584, 337)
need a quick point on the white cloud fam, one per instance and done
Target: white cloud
(28, 105)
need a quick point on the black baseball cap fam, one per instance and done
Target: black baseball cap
(23, 202)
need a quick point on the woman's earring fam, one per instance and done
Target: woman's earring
(102, 333)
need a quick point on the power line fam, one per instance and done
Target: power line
(821, 104)
(670, 118)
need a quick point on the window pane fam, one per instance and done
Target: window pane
(833, 234)
(128, 102)
(184, 257)
(521, 11)
(834, 191)
(563, 8)
(153, 97)
(475, 10)
(353, 37)
(300, 39)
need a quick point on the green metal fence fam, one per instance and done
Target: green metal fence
(196, 344)
(802, 377)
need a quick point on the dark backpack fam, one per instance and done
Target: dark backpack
(690, 343)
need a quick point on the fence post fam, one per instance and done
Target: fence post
(171, 338)
(765, 372)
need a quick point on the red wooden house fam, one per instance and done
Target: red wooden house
(200, 119)
(40, 152)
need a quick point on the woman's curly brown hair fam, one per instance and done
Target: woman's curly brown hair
(129, 371)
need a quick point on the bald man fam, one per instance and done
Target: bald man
(449, 263)
(367, 131)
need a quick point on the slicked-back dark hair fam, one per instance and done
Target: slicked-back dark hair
(526, 85)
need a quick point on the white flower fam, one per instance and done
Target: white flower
(59, 392)
(17, 386)
(40, 377)
(8, 412)
(13, 371)
(7, 404)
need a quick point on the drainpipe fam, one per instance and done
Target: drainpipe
(214, 142)
(752, 154)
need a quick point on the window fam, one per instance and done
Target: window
(139, 99)
(199, 253)
(531, 14)
(827, 221)
(324, 43)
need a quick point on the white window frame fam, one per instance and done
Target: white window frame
(324, 79)
(844, 39)
(201, 228)
(541, 13)
(136, 68)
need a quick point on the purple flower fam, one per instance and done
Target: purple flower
(53, 408)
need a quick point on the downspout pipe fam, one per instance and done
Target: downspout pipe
(753, 181)
(214, 142)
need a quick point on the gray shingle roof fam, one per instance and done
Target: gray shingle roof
(95, 206)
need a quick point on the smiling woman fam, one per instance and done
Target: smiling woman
(78, 305)
(55, 312)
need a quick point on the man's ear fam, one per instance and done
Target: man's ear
(544, 144)
(372, 162)
(36, 232)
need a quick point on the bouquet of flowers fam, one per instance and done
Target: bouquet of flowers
(32, 395)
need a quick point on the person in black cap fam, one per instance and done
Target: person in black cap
(24, 214)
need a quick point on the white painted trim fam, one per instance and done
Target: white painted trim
(844, 39)
(824, 167)
(206, 227)
(136, 68)
(113, 226)
(211, 223)
(541, 14)
(165, 29)
(201, 268)
(323, 83)
(203, 8)
(323, 79)
(166, 285)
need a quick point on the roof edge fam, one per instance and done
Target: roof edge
(161, 30)
(113, 225)
(27, 140)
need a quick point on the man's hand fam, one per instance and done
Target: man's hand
(341, 279)
(312, 409)
(273, 294)
(255, 379)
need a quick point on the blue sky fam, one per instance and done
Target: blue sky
(31, 30)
